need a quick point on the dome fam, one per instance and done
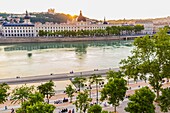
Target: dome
(105, 22)
(26, 16)
(81, 17)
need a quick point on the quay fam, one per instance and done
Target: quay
(54, 77)
(13, 40)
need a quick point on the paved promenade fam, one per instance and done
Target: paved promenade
(55, 77)
(134, 86)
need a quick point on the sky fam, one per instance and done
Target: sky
(96, 9)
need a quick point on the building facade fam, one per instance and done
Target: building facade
(148, 26)
(25, 29)
(80, 23)
(28, 29)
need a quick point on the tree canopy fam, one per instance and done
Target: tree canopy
(21, 94)
(164, 100)
(3, 92)
(95, 109)
(47, 89)
(149, 56)
(35, 104)
(141, 101)
(70, 91)
(114, 91)
(79, 82)
(82, 101)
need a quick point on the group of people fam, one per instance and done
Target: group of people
(67, 111)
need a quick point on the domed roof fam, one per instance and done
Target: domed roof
(81, 17)
(26, 15)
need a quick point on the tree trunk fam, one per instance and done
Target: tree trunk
(79, 87)
(47, 99)
(157, 93)
(90, 92)
(96, 93)
(115, 109)
(70, 99)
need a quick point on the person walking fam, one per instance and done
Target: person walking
(12, 110)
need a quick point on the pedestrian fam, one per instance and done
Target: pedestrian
(72, 110)
(6, 108)
(12, 110)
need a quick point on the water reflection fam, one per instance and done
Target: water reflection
(80, 47)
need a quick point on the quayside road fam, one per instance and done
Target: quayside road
(56, 77)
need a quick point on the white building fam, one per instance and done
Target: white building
(26, 29)
(81, 23)
(148, 26)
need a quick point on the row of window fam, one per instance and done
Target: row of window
(19, 35)
(17, 31)
(69, 27)
(31, 28)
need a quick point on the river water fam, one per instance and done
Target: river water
(60, 57)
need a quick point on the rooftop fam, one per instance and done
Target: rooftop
(17, 24)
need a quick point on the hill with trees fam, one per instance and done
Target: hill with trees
(43, 17)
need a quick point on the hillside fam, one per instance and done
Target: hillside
(44, 17)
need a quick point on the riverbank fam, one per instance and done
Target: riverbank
(13, 40)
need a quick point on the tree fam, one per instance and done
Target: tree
(3, 92)
(95, 109)
(82, 101)
(35, 104)
(47, 90)
(96, 79)
(138, 28)
(114, 91)
(112, 74)
(108, 29)
(150, 56)
(164, 100)
(20, 94)
(70, 91)
(79, 81)
(141, 101)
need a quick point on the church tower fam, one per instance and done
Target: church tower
(105, 21)
(27, 18)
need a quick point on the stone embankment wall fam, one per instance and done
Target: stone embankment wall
(7, 40)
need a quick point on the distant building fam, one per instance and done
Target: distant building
(51, 11)
(77, 24)
(148, 26)
(14, 29)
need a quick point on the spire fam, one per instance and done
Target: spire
(105, 21)
(26, 13)
(81, 17)
(80, 13)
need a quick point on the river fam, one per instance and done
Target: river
(61, 57)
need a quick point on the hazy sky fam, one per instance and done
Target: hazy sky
(97, 9)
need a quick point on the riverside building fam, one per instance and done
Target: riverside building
(28, 29)
(80, 23)
(16, 29)
(148, 26)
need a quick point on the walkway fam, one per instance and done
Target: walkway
(55, 77)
